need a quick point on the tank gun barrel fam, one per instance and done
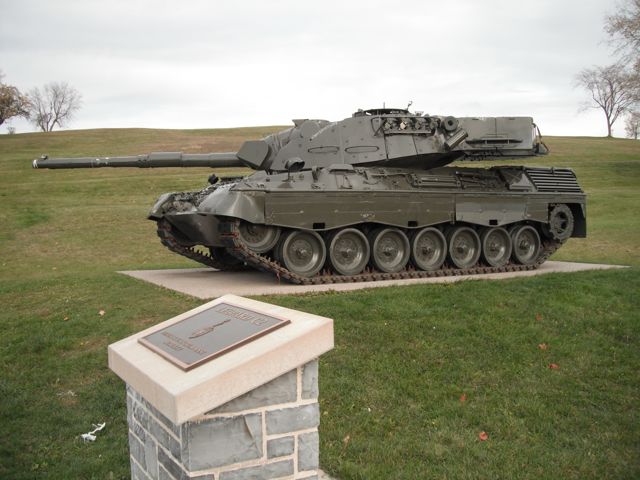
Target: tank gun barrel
(151, 160)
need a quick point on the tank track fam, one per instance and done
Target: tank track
(231, 237)
(168, 239)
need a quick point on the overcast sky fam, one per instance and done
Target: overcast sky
(207, 64)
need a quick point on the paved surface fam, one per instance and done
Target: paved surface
(209, 283)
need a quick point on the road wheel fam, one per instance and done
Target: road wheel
(303, 253)
(348, 251)
(428, 249)
(526, 244)
(389, 249)
(259, 238)
(496, 246)
(464, 246)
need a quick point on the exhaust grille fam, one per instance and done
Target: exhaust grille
(554, 180)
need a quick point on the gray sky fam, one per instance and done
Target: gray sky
(206, 64)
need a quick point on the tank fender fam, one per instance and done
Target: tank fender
(238, 204)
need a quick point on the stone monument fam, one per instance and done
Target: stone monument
(227, 391)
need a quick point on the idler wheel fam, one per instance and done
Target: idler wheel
(561, 223)
(302, 253)
(428, 249)
(348, 251)
(464, 246)
(389, 249)
(259, 238)
(496, 246)
(526, 244)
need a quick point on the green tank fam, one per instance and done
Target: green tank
(370, 197)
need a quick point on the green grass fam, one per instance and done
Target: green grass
(394, 381)
(390, 390)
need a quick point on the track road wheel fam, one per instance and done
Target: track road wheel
(389, 249)
(348, 251)
(526, 244)
(561, 223)
(302, 253)
(257, 237)
(496, 246)
(428, 249)
(464, 246)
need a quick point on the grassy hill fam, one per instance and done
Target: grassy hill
(391, 389)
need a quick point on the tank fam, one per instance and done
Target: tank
(370, 197)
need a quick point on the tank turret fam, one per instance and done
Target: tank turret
(370, 197)
(399, 138)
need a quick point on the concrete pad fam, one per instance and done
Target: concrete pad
(210, 283)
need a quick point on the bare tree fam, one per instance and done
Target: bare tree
(632, 124)
(612, 89)
(54, 105)
(12, 103)
(623, 28)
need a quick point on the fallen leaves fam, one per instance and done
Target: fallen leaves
(463, 398)
(552, 366)
(483, 436)
(538, 317)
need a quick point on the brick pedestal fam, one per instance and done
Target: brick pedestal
(269, 432)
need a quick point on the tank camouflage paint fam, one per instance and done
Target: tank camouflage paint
(370, 197)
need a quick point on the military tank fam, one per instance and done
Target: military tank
(370, 197)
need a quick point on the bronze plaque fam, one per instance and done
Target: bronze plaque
(209, 334)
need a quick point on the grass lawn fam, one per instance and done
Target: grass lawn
(417, 373)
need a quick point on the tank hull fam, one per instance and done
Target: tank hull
(358, 203)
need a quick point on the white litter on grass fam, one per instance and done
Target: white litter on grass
(90, 436)
(68, 393)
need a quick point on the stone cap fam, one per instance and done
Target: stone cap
(182, 396)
